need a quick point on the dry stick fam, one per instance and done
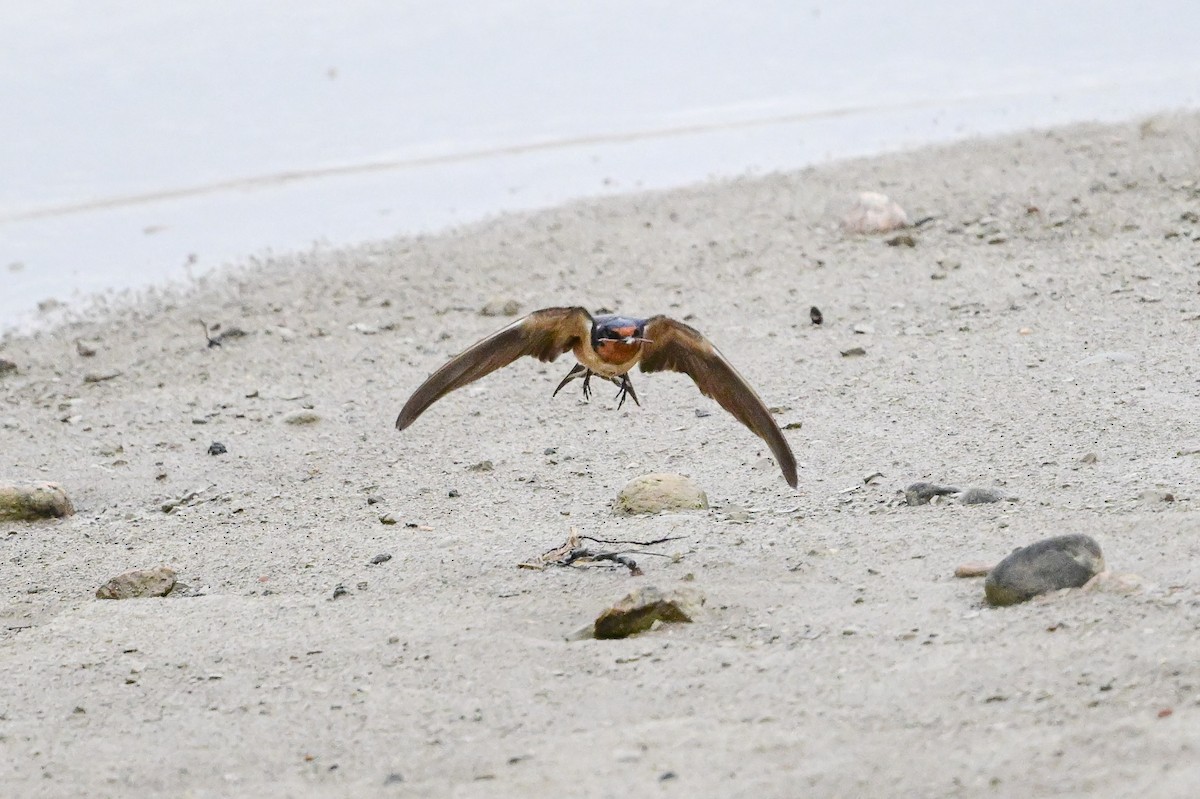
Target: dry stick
(615, 557)
(638, 543)
(212, 342)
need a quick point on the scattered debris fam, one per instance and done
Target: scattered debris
(572, 552)
(220, 338)
(7, 366)
(655, 493)
(973, 569)
(187, 499)
(482, 466)
(100, 377)
(1155, 496)
(639, 610)
(34, 501)
(903, 240)
(139, 583)
(1066, 561)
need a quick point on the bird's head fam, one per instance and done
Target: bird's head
(618, 338)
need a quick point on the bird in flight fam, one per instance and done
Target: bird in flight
(608, 346)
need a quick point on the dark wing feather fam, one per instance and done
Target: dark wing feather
(544, 334)
(676, 347)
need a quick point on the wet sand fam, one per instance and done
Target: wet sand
(1047, 313)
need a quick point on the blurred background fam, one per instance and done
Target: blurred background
(147, 143)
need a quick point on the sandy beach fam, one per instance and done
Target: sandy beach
(1040, 337)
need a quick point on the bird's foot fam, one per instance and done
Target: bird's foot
(576, 372)
(626, 391)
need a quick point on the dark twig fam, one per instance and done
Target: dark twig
(636, 543)
(615, 557)
(212, 342)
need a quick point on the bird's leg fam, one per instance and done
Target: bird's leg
(577, 371)
(626, 390)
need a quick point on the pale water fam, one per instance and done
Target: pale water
(145, 143)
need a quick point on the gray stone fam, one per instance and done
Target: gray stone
(302, 417)
(640, 609)
(139, 583)
(501, 306)
(1066, 561)
(921, 492)
(655, 493)
(981, 496)
(34, 501)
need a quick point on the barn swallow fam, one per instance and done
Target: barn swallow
(608, 347)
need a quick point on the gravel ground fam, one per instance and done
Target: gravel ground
(1040, 338)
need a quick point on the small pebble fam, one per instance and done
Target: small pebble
(501, 306)
(873, 212)
(216, 448)
(482, 466)
(139, 583)
(655, 493)
(638, 610)
(853, 352)
(921, 492)
(7, 367)
(453, 493)
(387, 518)
(382, 557)
(302, 417)
(1066, 561)
(34, 501)
(339, 590)
(815, 315)
(981, 496)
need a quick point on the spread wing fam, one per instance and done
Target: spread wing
(676, 347)
(544, 334)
